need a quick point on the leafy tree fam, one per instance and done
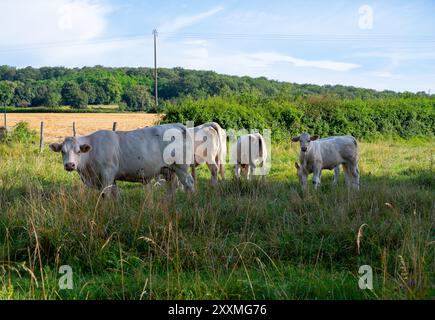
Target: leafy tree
(89, 88)
(24, 94)
(47, 94)
(27, 73)
(52, 99)
(110, 91)
(8, 73)
(7, 89)
(72, 95)
(137, 98)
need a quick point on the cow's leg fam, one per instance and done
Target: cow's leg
(108, 184)
(251, 172)
(245, 171)
(317, 173)
(336, 175)
(171, 180)
(193, 167)
(353, 173)
(214, 170)
(222, 171)
(348, 174)
(186, 179)
(237, 171)
(356, 172)
(114, 190)
(221, 167)
(263, 169)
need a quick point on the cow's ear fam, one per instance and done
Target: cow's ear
(296, 139)
(56, 147)
(297, 166)
(314, 138)
(85, 148)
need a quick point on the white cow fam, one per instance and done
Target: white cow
(210, 147)
(328, 153)
(104, 157)
(249, 151)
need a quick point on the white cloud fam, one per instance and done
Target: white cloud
(27, 22)
(185, 21)
(53, 32)
(200, 57)
(270, 58)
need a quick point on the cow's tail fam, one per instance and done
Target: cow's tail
(222, 143)
(262, 149)
(355, 142)
(222, 147)
(356, 148)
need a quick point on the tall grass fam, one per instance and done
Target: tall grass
(236, 241)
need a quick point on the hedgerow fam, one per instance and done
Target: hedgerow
(326, 116)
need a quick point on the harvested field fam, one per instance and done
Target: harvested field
(59, 125)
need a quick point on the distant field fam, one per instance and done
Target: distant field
(59, 125)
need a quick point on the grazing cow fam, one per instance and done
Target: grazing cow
(247, 152)
(328, 153)
(104, 157)
(210, 146)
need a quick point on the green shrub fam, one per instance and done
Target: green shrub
(21, 133)
(326, 116)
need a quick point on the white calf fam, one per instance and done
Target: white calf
(328, 153)
(248, 151)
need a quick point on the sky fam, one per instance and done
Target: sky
(373, 44)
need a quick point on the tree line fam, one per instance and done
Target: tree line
(132, 88)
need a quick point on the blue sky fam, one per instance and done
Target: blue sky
(373, 44)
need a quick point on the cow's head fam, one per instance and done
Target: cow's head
(302, 175)
(71, 152)
(304, 140)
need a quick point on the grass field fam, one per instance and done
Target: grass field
(59, 125)
(236, 241)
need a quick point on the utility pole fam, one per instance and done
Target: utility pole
(156, 96)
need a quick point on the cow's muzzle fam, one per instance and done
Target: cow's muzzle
(70, 166)
(304, 149)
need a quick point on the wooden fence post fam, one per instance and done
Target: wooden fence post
(41, 137)
(74, 129)
(115, 124)
(5, 117)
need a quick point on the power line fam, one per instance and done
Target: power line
(70, 43)
(316, 37)
(381, 39)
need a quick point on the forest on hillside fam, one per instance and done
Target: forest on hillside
(132, 88)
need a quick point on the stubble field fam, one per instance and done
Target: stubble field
(60, 125)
